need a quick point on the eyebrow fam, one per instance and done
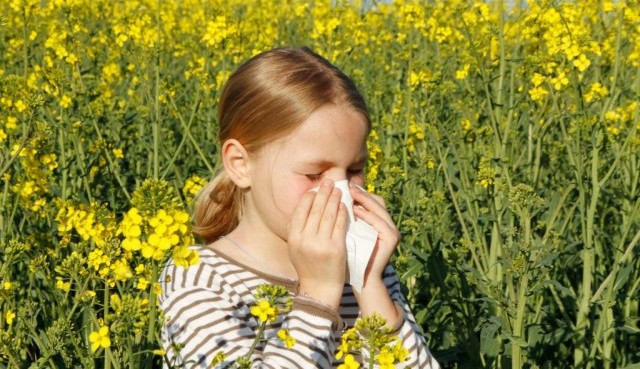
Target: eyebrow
(323, 162)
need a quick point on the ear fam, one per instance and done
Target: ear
(236, 162)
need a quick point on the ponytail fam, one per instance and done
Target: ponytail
(217, 208)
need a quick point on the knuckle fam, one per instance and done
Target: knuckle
(328, 217)
(380, 200)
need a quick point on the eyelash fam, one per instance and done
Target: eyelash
(316, 177)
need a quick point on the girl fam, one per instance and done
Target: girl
(290, 122)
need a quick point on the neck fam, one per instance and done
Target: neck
(269, 252)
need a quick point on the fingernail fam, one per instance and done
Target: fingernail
(327, 183)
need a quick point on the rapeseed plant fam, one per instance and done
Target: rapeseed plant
(504, 140)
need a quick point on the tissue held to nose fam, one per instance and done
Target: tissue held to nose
(360, 242)
(347, 200)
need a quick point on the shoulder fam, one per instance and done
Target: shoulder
(210, 272)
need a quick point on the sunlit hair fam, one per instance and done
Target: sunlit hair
(265, 99)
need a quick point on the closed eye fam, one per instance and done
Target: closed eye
(314, 177)
(355, 172)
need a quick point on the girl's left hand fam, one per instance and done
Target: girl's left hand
(372, 209)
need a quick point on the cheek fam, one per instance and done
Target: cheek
(290, 194)
(358, 180)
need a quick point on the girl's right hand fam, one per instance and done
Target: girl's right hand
(317, 234)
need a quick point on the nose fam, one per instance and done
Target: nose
(337, 175)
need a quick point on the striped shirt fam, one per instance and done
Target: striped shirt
(207, 311)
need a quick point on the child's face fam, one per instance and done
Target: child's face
(330, 144)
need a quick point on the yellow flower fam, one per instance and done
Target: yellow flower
(38, 204)
(537, 79)
(466, 125)
(12, 123)
(485, 182)
(157, 289)
(596, 92)
(184, 257)
(286, 338)
(3, 135)
(192, 186)
(264, 311)
(62, 285)
(117, 153)
(143, 283)
(463, 73)
(50, 161)
(100, 338)
(65, 101)
(121, 270)
(219, 358)
(560, 81)
(20, 106)
(582, 63)
(350, 341)
(538, 94)
(10, 315)
(399, 352)
(349, 363)
(116, 304)
(7, 285)
(386, 359)
(159, 352)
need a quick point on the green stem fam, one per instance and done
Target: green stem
(156, 122)
(456, 206)
(22, 145)
(63, 165)
(371, 361)
(112, 164)
(107, 351)
(25, 53)
(4, 223)
(186, 127)
(256, 340)
(501, 73)
(518, 331)
(151, 329)
(588, 268)
(521, 304)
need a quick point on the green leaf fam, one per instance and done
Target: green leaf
(490, 340)
(623, 276)
(632, 366)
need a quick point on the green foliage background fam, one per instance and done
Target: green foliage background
(505, 142)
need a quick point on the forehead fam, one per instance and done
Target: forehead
(330, 131)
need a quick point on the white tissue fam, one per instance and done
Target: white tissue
(360, 242)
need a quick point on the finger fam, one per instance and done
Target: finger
(371, 203)
(301, 213)
(317, 208)
(362, 193)
(381, 224)
(330, 213)
(387, 231)
(342, 220)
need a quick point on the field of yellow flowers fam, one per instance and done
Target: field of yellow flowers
(506, 141)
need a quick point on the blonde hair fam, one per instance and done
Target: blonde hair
(265, 99)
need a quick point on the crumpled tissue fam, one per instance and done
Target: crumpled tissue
(360, 242)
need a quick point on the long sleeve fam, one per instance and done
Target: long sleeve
(409, 331)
